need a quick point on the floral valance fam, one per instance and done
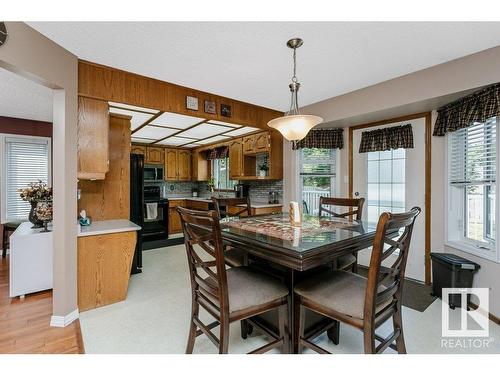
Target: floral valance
(321, 138)
(218, 153)
(387, 138)
(464, 112)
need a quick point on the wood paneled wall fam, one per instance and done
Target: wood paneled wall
(20, 126)
(105, 83)
(110, 198)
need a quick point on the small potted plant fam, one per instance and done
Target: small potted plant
(263, 168)
(211, 184)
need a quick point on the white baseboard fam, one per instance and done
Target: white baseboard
(63, 321)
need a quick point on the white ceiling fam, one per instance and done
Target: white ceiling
(249, 61)
(22, 98)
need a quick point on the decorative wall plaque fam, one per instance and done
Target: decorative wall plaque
(192, 103)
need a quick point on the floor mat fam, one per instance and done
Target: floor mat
(416, 296)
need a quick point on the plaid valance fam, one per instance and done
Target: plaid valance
(218, 153)
(321, 138)
(387, 138)
(464, 112)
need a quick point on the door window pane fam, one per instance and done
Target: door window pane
(386, 183)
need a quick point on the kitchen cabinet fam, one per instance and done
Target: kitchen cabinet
(256, 143)
(93, 139)
(235, 159)
(197, 205)
(174, 220)
(154, 155)
(135, 149)
(199, 166)
(177, 164)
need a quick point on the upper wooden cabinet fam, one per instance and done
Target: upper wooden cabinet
(141, 150)
(177, 165)
(154, 155)
(93, 142)
(256, 143)
(235, 159)
(199, 166)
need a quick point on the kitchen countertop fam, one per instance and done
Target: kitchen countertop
(107, 227)
(253, 204)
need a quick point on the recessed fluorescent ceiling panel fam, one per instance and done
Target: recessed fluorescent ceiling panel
(142, 140)
(224, 123)
(241, 131)
(138, 118)
(213, 139)
(203, 131)
(192, 145)
(133, 107)
(175, 141)
(173, 120)
(154, 132)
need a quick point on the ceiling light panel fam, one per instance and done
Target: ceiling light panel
(203, 131)
(133, 107)
(241, 131)
(138, 118)
(175, 141)
(173, 120)
(217, 138)
(154, 132)
(224, 123)
(141, 140)
(191, 145)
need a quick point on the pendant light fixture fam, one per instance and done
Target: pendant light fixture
(294, 126)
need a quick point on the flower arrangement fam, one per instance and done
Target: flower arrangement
(44, 213)
(36, 191)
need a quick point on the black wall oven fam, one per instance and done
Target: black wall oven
(155, 215)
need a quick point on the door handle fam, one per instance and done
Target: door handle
(356, 194)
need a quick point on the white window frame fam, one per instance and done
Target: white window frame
(212, 169)
(454, 215)
(298, 188)
(3, 168)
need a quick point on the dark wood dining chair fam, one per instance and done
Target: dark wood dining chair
(229, 295)
(364, 303)
(233, 207)
(355, 211)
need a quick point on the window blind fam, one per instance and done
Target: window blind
(26, 160)
(473, 154)
(315, 161)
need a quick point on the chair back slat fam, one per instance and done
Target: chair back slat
(222, 206)
(202, 238)
(355, 207)
(385, 283)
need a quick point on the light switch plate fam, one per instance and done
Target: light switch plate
(192, 103)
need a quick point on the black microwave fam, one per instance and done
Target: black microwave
(153, 173)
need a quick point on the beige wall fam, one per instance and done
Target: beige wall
(416, 92)
(29, 53)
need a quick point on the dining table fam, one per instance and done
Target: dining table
(294, 251)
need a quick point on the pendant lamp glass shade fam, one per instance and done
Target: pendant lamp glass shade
(293, 125)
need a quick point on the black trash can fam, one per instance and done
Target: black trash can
(451, 271)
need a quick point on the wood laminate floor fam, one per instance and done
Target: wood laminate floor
(25, 324)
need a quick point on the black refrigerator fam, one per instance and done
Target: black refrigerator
(137, 205)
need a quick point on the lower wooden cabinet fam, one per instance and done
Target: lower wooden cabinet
(257, 210)
(174, 220)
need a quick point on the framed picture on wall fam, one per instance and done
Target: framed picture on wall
(210, 107)
(192, 103)
(225, 110)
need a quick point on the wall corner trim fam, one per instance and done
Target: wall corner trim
(63, 321)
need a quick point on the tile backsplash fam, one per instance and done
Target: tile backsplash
(259, 190)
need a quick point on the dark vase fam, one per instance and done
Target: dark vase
(33, 218)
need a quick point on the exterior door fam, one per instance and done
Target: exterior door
(393, 181)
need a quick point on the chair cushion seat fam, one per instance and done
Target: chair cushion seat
(248, 288)
(341, 291)
(346, 261)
